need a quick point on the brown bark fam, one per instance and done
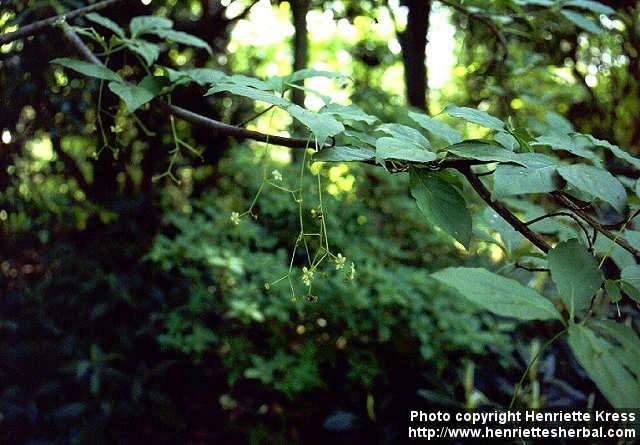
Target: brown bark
(299, 9)
(413, 41)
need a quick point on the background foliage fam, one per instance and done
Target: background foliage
(134, 309)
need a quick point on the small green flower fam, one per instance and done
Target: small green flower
(277, 176)
(307, 276)
(351, 273)
(340, 260)
(235, 218)
(316, 213)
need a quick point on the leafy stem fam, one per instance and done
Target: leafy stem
(534, 359)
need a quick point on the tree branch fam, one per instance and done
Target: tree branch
(238, 133)
(460, 164)
(501, 210)
(243, 13)
(35, 27)
(220, 127)
(568, 215)
(481, 18)
(565, 201)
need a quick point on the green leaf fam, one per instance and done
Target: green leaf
(107, 23)
(597, 183)
(326, 100)
(442, 204)
(439, 129)
(612, 366)
(402, 149)
(558, 123)
(500, 295)
(350, 112)
(149, 51)
(510, 237)
(615, 150)
(202, 76)
(153, 84)
(506, 140)
(404, 132)
(574, 145)
(613, 291)
(484, 151)
(539, 176)
(582, 22)
(242, 80)
(134, 96)
(590, 5)
(180, 37)
(575, 273)
(361, 136)
(343, 154)
(249, 92)
(321, 125)
(88, 69)
(145, 23)
(524, 138)
(308, 73)
(624, 337)
(478, 117)
(630, 276)
(621, 257)
(631, 291)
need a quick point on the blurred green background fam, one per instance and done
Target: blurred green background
(133, 309)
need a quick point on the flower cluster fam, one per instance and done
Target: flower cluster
(307, 276)
(350, 273)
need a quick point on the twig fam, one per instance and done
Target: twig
(568, 215)
(531, 269)
(482, 18)
(243, 13)
(501, 210)
(566, 201)
(35, 27)
(516, 389)
(256, 116)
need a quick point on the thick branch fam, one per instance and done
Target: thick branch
(565, 201)
(231, 130)
(35, 27)
(501, 210)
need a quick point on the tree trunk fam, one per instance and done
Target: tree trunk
(413, 41)
(299, 9)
